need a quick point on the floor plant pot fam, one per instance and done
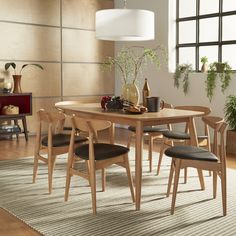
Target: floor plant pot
(17, 84)
(231, 142)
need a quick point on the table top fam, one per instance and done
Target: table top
(94, 110)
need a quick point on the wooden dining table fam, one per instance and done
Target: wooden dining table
(164, 116)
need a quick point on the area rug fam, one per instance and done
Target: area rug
(196, 212)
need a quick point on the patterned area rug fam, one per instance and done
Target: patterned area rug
(196, 212)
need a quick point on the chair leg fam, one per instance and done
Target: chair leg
(176, 182)
(172, 169)
(93, 189)
(129, 175)
(185, 175)
(36, 164)
(224, 193)
(68, 177)
(150, 152)
(214, 184)
(201, 179)
(161, 156)
(131, 135)
(103, 179)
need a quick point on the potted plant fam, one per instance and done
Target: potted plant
(230, 115)
(17, 76)
(129, 62)
(182, 71)
(224, 71)
(204, 67)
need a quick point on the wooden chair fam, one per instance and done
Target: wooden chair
(190, 156)
(96, 155)
(172, 137)
(53, 144)
(152, 133)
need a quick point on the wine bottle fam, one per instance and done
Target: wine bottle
(146, 92)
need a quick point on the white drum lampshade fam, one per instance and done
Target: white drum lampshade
(125, 25)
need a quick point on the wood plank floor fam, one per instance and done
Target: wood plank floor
(14, 149)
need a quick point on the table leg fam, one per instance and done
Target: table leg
(16, 123)
(25, 128)
(194, 142)
(138, 162)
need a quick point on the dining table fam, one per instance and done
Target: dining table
(164, 116)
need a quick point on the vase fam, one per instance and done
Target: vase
(17, 84)
(130, 92)
(204, 68)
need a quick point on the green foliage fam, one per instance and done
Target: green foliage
(182, 70)
(230, 111)
(130, 61)
(204, 60)
(13, 65)
(224, 70)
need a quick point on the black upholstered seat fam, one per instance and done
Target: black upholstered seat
(101, 151)
(191, 152)
(180, 135)
(149, 129)
(60, 140)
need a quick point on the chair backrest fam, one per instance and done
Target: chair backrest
(89, 125)
(54, 121)
(206, 110)
(219, 126)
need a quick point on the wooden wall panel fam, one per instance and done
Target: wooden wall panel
(31, 11)
(86, 79)
(81, 13)
(29, 42)
(82, 46)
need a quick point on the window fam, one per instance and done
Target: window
(206, 28)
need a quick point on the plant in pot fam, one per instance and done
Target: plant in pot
(129, 63)
(224, 71)
(182, 71)
(204, 67)
(17, 76)
(230, 115)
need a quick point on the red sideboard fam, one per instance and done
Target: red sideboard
(21, 100)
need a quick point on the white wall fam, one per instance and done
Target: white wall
(161, 82)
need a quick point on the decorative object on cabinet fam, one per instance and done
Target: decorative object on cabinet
(224, 71)
(230, 115)
(125, 24)
(17, 76)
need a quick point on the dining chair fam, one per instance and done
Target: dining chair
(197, 157)
(96, 155)
(172, 137)
(54, 143)
(152, 133)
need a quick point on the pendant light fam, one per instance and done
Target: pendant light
(125, 24)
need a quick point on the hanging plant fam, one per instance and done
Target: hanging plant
(224, 71)
(182, 71)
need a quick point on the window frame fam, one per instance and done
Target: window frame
(198, 44)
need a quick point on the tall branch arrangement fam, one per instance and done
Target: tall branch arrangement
(130, 61)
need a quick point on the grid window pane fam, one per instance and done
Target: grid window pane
(211, 52)
(209, 6)
(187, 32)
(187, 55)
(229, 32)
(229, 5)
(209, 29)
(228, 55)
(187, 8)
